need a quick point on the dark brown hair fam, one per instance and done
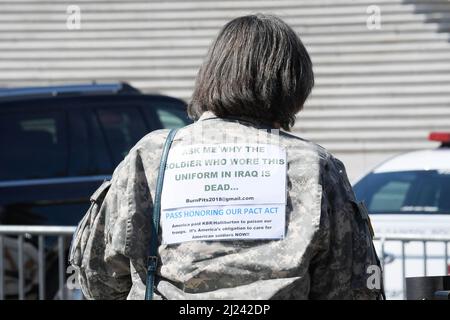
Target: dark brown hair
(256, 68)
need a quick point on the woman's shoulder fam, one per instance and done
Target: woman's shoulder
(148, 148)
(154, 139)
(306, 151)
(304, 145)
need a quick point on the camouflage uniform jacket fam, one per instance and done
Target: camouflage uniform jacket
(325, 254)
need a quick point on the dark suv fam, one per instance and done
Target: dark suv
(58, 144)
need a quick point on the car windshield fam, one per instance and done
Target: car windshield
(420, 192)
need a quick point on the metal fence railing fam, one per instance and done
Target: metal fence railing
(408, 239)
(14, 248)
(17, 242)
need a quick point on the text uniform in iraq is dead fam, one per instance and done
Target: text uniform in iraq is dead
(248, 211)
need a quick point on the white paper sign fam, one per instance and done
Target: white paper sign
(224, 192)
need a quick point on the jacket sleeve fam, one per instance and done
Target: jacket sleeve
(110, 247)
(103, 270)
(345, 265)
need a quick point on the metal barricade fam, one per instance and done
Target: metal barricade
(404, 239)
(19, 234)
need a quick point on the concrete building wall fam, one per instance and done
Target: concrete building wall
(379, 91)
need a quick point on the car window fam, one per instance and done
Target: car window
(390, 197)
(169, 114)
(88, 151)
(32, 145)
(406, 192)
(171, 118)
(123, 128)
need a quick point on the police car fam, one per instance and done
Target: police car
(409, 196)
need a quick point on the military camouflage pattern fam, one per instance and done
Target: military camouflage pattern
(325, 254)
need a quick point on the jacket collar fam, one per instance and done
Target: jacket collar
(206, 115)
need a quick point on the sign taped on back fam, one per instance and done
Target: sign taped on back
(224, 192)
